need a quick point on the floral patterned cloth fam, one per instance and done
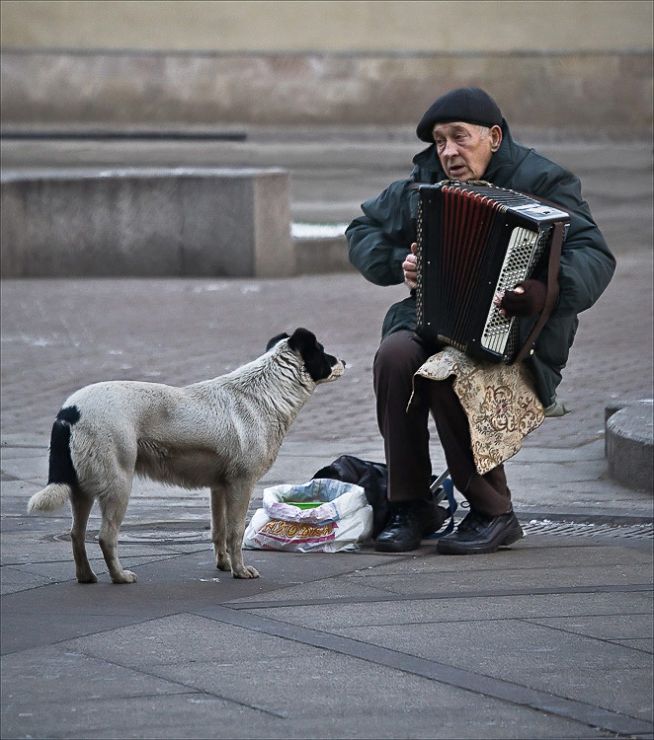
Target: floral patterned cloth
(499, 401)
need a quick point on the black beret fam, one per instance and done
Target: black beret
(466, 104)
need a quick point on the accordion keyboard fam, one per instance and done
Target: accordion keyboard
(521, 253)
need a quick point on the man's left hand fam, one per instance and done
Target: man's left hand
(526, 299)
(410, 267)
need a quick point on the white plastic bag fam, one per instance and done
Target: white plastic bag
(340, 522)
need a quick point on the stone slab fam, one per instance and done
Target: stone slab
(338, 687)
(620, 628)
(409, 611)
(164, 583)
(146, 222)
(571, 665)
(64, 673)
(321, 255)
(191, 714)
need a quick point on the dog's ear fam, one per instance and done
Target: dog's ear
(302, 341)
(317, 363)
(272, 342)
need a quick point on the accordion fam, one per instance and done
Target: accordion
(475, 241)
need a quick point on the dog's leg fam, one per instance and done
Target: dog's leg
(223, 561)
(82, 506)
(113, 508)
(237, 499)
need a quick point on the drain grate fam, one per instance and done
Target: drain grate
(173, 536)
(181, 532)
(588, 529)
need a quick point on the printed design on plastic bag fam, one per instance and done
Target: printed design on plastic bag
(313, 534)
(340, 519)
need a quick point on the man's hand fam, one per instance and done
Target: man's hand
(526, 299)
(410, 267)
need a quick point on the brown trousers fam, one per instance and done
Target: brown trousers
(406, 433)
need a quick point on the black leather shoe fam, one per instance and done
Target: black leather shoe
(408, 523)
(478, 534)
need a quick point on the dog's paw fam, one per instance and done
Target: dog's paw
(125, 576)
(246, 571)
(224, 563)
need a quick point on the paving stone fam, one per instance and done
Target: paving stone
(64, 675)
(166, 716)
(338, 687)
(571, 665)
(620, 627)
(179, 638)
(646, 645)
(506, 577)
(406, 611)
(15, 579)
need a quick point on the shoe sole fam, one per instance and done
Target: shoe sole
(391, 547)
(453, 548)
(513, 536)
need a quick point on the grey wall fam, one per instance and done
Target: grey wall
(582, 65)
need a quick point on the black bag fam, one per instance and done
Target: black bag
(373, 478)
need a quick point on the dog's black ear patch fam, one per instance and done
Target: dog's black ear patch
(272, 342)
(316, 361)
(302, 340)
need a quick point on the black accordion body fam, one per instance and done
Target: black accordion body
(475, 241)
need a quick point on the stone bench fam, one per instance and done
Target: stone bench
(144, 222)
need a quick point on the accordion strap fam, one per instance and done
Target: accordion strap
(552, 290)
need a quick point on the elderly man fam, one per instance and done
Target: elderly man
(468, 140)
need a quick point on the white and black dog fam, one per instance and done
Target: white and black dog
(223, 434)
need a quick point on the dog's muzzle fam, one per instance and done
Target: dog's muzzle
(337, 370)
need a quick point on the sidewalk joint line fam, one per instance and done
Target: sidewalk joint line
(514, 693)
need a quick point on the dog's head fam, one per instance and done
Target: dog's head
(321, 367)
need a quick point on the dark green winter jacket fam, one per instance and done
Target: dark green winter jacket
(379, 241)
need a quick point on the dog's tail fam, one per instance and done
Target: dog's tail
(62, 477)
(52, 497)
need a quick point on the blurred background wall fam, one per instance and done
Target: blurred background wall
(580, 66)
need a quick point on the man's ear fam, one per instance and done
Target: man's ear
(302, 341)
(272, 342)
(495, 134)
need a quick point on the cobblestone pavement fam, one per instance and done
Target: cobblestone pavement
(551, 639)
(59, 335)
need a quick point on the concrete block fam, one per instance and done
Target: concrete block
(319, 255)
(630, 445)
(145, 222)
(320, 248)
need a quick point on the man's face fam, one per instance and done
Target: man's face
(465, 149)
